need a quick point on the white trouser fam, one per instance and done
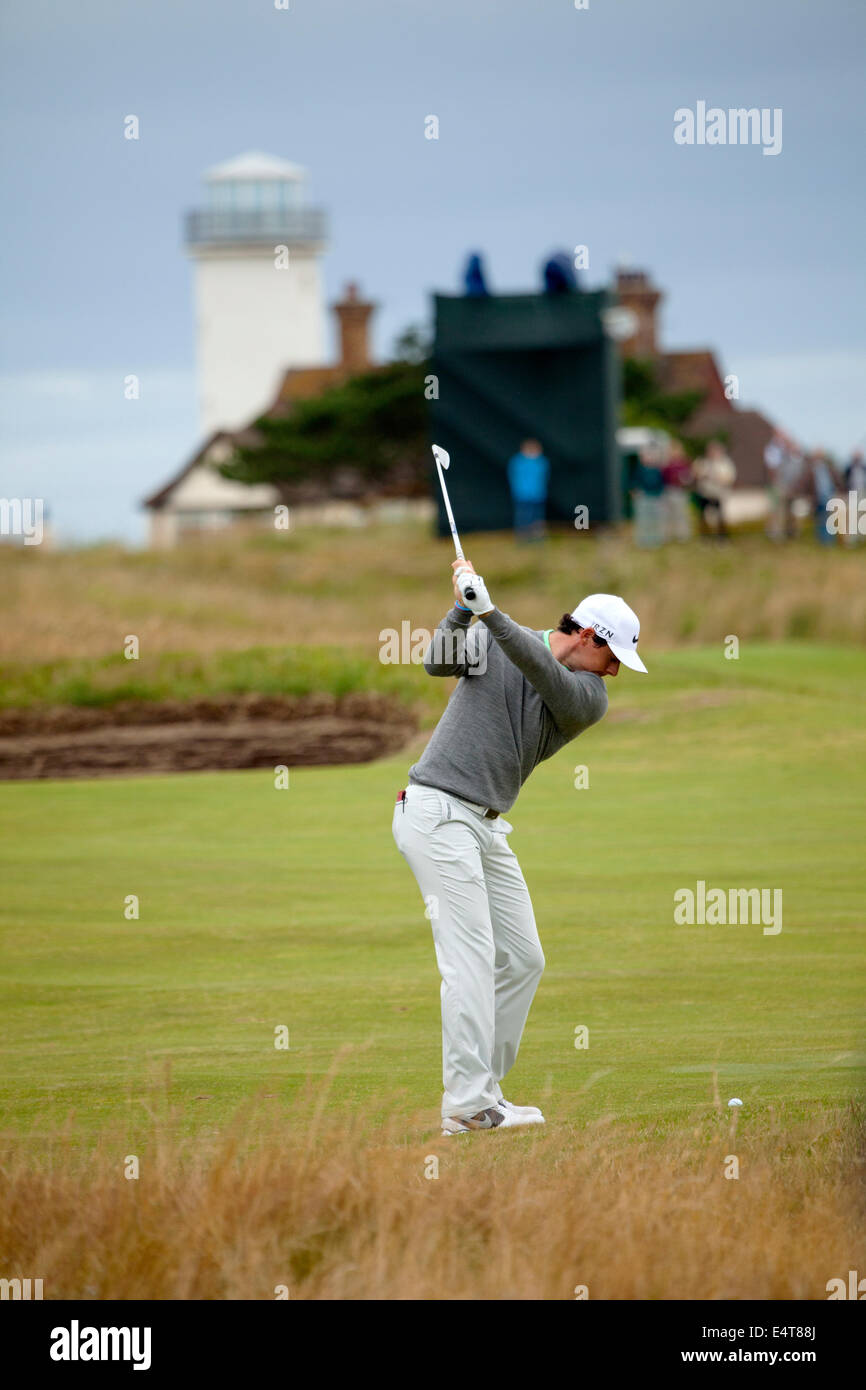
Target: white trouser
(484, 933)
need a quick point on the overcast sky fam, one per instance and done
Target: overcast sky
(556, 128)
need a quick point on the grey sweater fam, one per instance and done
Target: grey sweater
(501, 721)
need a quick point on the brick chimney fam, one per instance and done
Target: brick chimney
(353, 315)
(636, 291)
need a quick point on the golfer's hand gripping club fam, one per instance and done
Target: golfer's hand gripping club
(472, 590)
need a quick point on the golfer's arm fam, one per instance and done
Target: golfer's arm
(575, 699)
(444, 655)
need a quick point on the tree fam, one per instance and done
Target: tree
(644, 403)
(375, 422)
(413, 344)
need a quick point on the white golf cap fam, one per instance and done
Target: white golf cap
(612, 619)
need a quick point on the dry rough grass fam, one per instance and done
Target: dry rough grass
(331, 1207)
(325, 586)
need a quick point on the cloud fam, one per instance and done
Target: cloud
(817, 396)
(72, 438)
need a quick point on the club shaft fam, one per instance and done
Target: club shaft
(470, 593)
(449, 512)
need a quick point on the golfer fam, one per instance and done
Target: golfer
(521, 695)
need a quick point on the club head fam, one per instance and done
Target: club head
(442, 456)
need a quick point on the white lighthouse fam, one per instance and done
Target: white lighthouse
(258, 293)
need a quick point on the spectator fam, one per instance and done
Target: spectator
(715, 475)
(528, 474)
(784, 464)
(855, 484)
(677, 478)
(647, 498)
(474, 278)
(821, 484)
(559, 276)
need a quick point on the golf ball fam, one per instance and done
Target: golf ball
(734, 1101)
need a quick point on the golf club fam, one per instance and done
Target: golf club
(443, 460)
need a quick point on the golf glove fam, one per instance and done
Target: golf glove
(481, 602)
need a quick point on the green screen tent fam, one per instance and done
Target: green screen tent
(511, 367)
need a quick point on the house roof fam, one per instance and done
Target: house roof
(245, 437)
(301, 383)
(695, 370)
(298, 384)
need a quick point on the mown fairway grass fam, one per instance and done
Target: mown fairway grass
(262, 907)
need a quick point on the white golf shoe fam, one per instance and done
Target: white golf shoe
(495, 1117)
(522, 1110)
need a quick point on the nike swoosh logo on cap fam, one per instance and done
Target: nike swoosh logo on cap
(634, 640)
